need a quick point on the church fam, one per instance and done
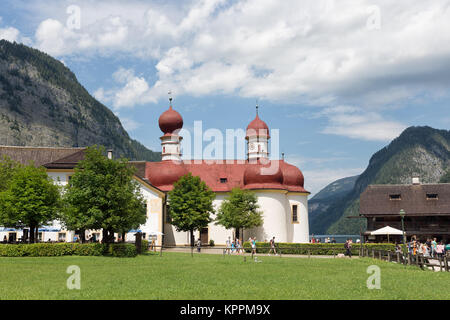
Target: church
(278, 185)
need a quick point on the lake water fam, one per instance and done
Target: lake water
(340, 238)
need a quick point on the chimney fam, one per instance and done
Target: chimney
(110, 154)
(415, 180)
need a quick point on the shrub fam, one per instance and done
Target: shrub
(211, 243)
(144, 246)
(51, 249)
(315, 248)
(122, 250)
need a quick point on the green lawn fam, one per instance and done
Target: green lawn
(179, 276)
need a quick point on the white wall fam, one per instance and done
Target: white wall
(301, 229)
(273, 205)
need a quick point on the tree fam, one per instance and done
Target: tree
(102, 194)
(190, 204)
(446, 177)
(7, 167)
(31, 200)
(239, 211)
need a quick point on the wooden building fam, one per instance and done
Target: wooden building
(426, 207)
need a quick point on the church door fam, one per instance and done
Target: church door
(204, 236)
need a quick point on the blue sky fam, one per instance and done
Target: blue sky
(339, 79)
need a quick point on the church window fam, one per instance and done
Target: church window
(294, 213)
(223, 180)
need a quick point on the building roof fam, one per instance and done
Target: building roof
(417, 199)
(257, 128)
(220, 175)
(170, 121)
(38, 155)
(68, 162)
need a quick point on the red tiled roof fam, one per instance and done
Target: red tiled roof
(163, 174)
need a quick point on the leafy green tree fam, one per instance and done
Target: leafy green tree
(239, 211)
(191, 204)
(102, 194)
(31, 200)
(446, 177)
(7, 168)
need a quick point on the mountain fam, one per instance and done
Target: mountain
(329, 195)
(43, 104)
(421, 151)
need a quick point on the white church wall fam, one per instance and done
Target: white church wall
(273, 205)
(300, 229)
(217, 232)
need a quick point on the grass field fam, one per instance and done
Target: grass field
(208, 276)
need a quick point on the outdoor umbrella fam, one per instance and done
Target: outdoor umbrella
(155, 233)
(388, 231)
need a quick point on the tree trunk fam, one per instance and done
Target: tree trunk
(105, 236)
(32, 234)
(83, 235)
(123, 236)
(192, 238)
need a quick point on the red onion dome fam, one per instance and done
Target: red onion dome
(166, 173)
(170, 121)
(257, 178)
(292, 176)
(257, 128)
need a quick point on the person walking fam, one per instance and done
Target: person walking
(253, 243)
(348, 248)
(272, 247)
(238, 246)
(199, 245)
(228, 244)
(433, 248)
(440, 250)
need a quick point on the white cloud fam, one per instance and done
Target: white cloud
(305, 52)
(11, 34)
(133, 93)
(54, 38)
(133, 90)
(354, 123)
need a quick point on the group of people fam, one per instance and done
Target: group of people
(431, 248)
(326, 240)
(235, 246)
